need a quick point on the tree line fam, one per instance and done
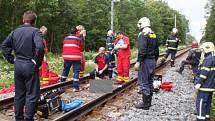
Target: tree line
(209, 29)
(60, 15)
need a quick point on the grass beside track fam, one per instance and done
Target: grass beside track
(55, 62)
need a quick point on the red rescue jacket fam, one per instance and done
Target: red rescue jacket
(126, 51)
(72, 47)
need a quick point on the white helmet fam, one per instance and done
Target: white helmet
(174, 30)
(207, 47)
(110, 32)
(143, 22)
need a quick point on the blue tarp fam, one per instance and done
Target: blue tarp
(72, 105)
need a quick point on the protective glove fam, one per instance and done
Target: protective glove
(116, 47)
(100, 72)
(137, 66)
(97, 78)
(197, 86)
(44, 58)
(83, 32)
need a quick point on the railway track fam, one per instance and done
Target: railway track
(88, 107)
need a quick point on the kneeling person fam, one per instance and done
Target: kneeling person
(192, 59)
(101, 65)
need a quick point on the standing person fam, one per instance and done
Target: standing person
(192, 59)
(72, 48)
(27, 43)
(148, 53)
(122, 46)
(44, 30)
(110, 53)
(44, 71)
(81, 33)
(109, 41)
(206, 82)
(101, 65)
(172, 44)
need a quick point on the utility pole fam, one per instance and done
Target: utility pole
(175, 20)
(112, 12)
(112, 5)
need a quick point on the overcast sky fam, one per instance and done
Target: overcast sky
(194, 12)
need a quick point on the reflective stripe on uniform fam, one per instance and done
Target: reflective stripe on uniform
(200, 117)
(45, 79)
(119, 78)
(171, 40)
(71, 45)
(152, 35)
(72, 56)
(200, 110)
(203, 76)
(206, 89)
(206, 68)
(63, 77)
(172, 48)
(75, 79)
(109, 43)
(126, 79)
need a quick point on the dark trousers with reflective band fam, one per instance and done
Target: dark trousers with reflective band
(76, 70)
(172, 52)
(203, 104)
(145, 76)
(27, 89)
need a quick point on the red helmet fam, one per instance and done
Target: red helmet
(195, 44)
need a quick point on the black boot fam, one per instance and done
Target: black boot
(144, 104)
(179, 70)
(162, 61)
(150, 99)
(140, 92)
(172, 64)
(62, 79)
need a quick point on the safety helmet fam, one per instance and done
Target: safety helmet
(143, 22)
(110, 32)
(174, 30)
(195, 44)
(207, 47)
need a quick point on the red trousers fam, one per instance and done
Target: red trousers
(123, 66)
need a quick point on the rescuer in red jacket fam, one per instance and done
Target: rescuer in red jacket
(81, 33)
(72, 48)
(44, 30)
(44, 73)
(101, 65)
(122, 46)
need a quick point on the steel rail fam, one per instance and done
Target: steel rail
(88, 107)
(9, 101)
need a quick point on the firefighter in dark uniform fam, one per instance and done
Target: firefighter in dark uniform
(206, 82)
(27, 43)
(172, 45)
(192, 59)
(148, 53)
(110, 52)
